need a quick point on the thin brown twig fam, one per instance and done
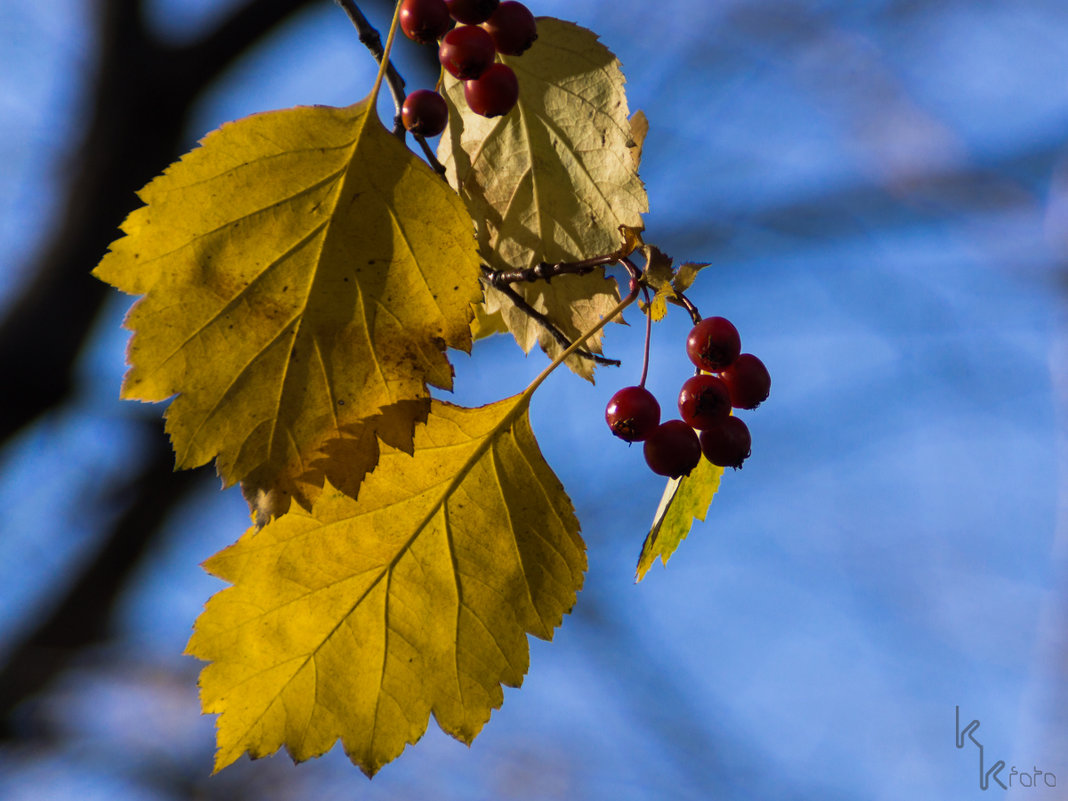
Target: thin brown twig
(522, 304)
(372, 40)
(546, 271)
(680, 299)
(431, 157)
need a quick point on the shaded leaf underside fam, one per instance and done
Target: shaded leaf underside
(552, 180)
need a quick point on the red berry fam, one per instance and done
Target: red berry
(466, 52)
(703, 400)
(713, 344)
(494, 93)
(727, 442)
(748, 381)
(425, 21)
(512, 27)
(632, 413)
(672, 449)
(424, 112)
(471, 12)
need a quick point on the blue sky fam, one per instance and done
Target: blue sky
(881, 190)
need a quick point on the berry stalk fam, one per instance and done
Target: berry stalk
(648, 336)
(581, 340)
(384, 61)
(371, 39)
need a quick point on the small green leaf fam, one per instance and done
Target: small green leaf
(659, 274)
(685, 499)
(686, 275)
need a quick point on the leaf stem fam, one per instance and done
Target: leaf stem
(521, 303)
(431, 156)
(681, 300)
(648, 336)
(371, 39)
(578, 343)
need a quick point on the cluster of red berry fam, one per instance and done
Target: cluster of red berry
(729, 378)
(468, 52)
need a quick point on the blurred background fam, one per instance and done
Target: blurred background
(881, 187)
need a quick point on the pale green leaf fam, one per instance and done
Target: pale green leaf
(659, 273)
(686, 275)
(684, 500)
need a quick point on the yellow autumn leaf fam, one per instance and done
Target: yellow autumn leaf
(667, 281)
(360, 618)
(552, 180)
(303, 272)
(639, 129)
(658, 273)
(686, 275)
(486, 323)
(684, 500)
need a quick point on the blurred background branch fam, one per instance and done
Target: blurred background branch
(881, 189)
(142, 95)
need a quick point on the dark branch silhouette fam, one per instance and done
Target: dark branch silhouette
(81, 615)
(143, 94)
(142, 98)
